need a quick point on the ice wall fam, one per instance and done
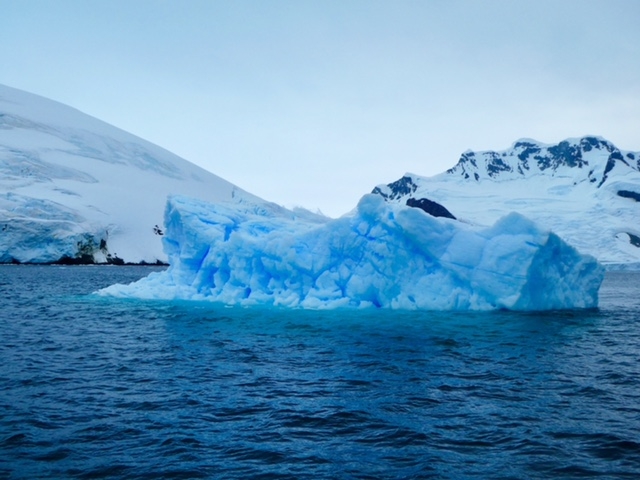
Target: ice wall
(383, 255)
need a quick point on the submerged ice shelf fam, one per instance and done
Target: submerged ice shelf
(382, 255)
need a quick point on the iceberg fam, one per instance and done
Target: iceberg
(380, 255)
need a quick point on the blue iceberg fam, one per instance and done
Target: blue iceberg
(381, 255)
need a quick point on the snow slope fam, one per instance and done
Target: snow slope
(73, 186)
(383, 255)
(586, 190)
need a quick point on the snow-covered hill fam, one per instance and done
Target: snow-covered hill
(74, 187)
(586, 190)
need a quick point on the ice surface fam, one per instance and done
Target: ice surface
(382, 255)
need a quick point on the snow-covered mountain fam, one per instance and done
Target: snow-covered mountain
(586, 190)
(75, 188)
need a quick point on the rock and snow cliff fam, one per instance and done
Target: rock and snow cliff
(586, 190)
(76, 189)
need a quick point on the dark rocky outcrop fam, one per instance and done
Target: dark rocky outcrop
(525, 154)
(629, 194)
(79, 260)
(495, 165)
(399, 188)
(66, 260)
(634, 240)
(405, 187)
(432, 208)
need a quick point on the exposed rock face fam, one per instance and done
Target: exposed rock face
(627, 194)
(404, 188)
(432, 208)
(398, 189)
(595, 156)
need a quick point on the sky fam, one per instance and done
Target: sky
(314, 103)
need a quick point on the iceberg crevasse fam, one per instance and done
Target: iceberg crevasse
(382, 255)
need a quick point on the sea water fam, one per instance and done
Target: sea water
(94, 387)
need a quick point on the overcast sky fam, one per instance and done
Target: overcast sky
(313, 103)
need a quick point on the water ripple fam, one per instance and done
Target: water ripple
(99, 388)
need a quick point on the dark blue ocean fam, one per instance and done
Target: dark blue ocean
(95, 387)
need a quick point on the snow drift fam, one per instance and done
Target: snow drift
(383, 255)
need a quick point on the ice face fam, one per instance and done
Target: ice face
(383, 255)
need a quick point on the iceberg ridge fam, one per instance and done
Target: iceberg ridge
(383, 255)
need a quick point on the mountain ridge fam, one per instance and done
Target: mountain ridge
(529, 156)
(585, 189)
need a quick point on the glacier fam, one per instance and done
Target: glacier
(380, 255)
(74, 189)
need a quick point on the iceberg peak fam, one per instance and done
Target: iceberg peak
(383, 255)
